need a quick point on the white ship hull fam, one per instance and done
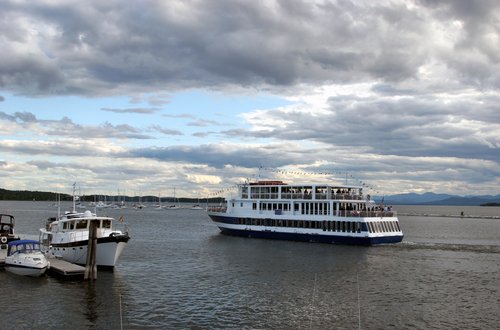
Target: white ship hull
(107, 254)
(26, 270)
(308, 234)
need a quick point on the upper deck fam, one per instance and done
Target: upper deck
(278, 190)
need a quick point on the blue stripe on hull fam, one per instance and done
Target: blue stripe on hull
(332, 239)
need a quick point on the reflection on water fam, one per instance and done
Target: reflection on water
(179, 272)
(91, 302)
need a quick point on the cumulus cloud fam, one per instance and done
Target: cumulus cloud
(106, 48)
(65, 127)
(133, 110)
(405, 90)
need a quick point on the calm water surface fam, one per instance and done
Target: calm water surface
(178, 272)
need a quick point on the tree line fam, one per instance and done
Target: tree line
(26, 195)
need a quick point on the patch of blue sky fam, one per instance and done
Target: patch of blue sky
(185, 106)
(184, 118)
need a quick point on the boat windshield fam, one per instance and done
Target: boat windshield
(26, 247)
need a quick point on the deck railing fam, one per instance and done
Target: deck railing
(368, 214)
(220, 209)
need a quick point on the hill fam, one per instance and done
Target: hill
(437, 199)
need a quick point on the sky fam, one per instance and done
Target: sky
(144, 97)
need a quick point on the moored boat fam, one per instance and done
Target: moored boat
(24, 257)
(7, 233)
(67, 237)
(307, 212)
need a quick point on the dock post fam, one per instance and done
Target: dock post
(91, 266)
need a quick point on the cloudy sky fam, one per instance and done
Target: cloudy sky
(144, 96)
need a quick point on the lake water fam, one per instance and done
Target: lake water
(178, 272)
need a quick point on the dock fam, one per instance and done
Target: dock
(3, 254)
(64, 269)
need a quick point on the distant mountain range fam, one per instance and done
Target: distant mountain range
(438, 199)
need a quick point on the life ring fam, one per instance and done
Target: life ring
(3, 239)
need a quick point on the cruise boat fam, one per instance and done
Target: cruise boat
(339, 214)
(24, 257)
(67, 237)
(7, 233)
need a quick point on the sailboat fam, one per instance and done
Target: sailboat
(197, 206)
(159, 206)
(174, 206)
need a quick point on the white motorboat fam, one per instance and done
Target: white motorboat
(24, 257)
(67, 237)
(7, 233)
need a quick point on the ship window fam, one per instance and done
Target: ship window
(106, 223)
(81, 224)
(296, 207)
(254, 206)
(397, 226)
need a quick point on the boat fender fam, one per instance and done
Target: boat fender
(3, 239)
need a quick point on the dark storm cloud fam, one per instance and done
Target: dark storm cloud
(219, 155)
(403, 127)
(106, 48)
(477, 49)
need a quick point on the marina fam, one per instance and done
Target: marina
(442, 275)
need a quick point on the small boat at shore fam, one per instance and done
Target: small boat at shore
(24, 257)
(67, 237)
(7, 233)
(328, 213)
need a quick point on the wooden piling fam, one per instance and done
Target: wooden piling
(91, 265)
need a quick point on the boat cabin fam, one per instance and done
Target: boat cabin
(6, 225)
(23, 246)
